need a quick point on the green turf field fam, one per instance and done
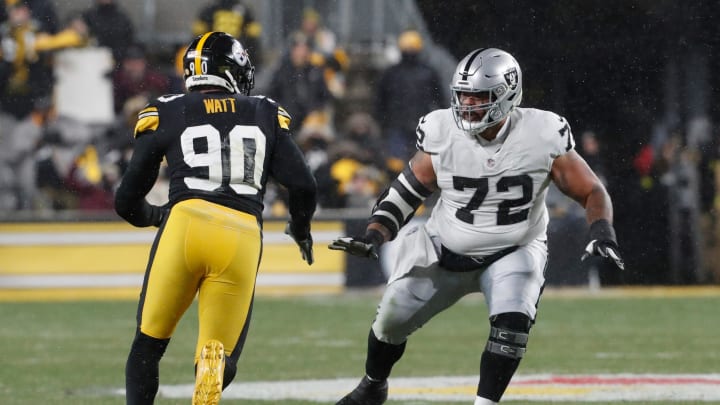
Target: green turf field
(74, 352)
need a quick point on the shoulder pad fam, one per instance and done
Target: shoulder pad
(433, 130)
(565, 133)
(284, 118)
(148, 120)
(555, 129)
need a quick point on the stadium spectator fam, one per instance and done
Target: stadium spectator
(325, 53)
(136, 77)
(73, 35)
(591, 151)
(25, 75)
(43, 11)
(314, 140)
(89, 182)
(405, 92)
(359, 183)
(44, 146)
(115, 144)
(110, 27)
(356, 163)
(363, 132)
(300, 87)
(235, 18)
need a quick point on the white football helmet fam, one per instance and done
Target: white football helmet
(493, 71)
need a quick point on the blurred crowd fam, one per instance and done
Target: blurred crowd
(54, 161)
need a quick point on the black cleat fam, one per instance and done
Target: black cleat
(367, 393)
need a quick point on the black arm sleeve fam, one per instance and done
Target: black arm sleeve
(141, 174)
(291, 171)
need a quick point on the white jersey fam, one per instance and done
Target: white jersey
(492, 200)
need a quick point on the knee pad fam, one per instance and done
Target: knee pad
(509, 334)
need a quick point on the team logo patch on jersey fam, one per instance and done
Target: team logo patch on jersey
(511, 78)
(148, 119)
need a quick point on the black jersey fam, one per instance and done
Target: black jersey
(219, 147)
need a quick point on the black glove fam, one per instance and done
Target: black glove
(603, 243)
(363, 246)
(303, 239)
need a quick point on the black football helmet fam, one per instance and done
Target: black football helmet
(218, 59)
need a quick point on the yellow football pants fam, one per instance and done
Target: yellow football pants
(210, 250)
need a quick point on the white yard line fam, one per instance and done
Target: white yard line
(539, 387)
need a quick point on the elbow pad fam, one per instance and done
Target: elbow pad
(397, 205)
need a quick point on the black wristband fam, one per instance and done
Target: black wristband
(375, 237)
(602, 229)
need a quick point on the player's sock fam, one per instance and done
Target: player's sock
(381, 357)
(142, 375)
(495, 374)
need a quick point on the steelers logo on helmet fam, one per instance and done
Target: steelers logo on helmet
(239, 54)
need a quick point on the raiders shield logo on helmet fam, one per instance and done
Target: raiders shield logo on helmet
(511, 78)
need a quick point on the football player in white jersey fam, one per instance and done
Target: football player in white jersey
(491, 162)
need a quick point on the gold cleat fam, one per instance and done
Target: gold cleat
(209, 378)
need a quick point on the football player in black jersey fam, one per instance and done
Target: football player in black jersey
(221, 146)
